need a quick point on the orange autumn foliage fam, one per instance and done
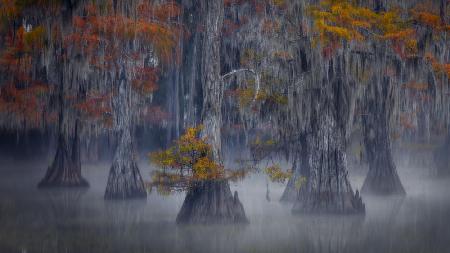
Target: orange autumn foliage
(336, 21)
(427, 14)
(102, 36)
(163, 12)
(416, 86)
(438, 68)
(145, 81)
(24, 104)
(95, 30)
(96, 107)
(22, 96)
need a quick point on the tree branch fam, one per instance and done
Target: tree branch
(257, 78)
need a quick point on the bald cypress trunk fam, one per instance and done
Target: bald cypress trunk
(124, 181)
(65, 171)
(382, 177)
(327, 188)
(212, 201)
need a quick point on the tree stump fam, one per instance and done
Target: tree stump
(211, 202)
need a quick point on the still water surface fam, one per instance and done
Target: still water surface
(80, 221)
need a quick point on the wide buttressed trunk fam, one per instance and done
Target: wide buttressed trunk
(382, 178)
(212, 201)
(65, 171)
(124, 181)
(327, 187)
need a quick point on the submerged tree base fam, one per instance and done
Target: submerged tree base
(329, 203)
(211, 202)
(382, 184)
(65, 170)
(125, 182)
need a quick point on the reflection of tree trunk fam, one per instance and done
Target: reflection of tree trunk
(124, 181)
(212, 201)
(65, 204)
(331, 233)
(382, 177)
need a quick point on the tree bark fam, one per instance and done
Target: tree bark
(382, 178)
(328, 189)
(65, 170)
(124, 181)
(212, 201)
(291, 192)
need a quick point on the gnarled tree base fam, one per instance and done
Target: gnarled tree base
(65, 170)
(329, 203)
(125, 182)
(211, 202)
(383, 182)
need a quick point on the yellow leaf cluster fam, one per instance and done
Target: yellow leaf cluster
(276, 174)
(190, 157)
(206, 169)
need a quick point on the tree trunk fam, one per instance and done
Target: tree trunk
(291, 191)
(65, 170)
(382, 177)
(212, 201)
(124, 181)
(327, 189)
(442, 159)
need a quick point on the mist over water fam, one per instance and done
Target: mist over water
(74, 220)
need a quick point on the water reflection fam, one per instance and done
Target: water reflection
(79, 220)
(62, 206)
